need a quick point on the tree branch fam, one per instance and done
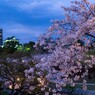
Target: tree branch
(90, 35)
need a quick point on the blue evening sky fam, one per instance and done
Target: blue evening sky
(28, 19)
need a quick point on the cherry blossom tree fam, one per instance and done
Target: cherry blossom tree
(21, 76)
(14, 75)
(67, 61)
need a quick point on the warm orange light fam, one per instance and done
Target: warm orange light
(18, 79)
(10, 86)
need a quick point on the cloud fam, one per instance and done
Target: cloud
(30, 5)
(50, 6)
(22, 29)
(22, 32)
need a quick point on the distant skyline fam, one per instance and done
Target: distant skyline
(28, 19)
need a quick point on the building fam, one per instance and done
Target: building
(1, 37)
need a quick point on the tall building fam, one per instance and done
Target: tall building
(1, 37)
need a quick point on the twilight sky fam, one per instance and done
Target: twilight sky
(27, 19)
